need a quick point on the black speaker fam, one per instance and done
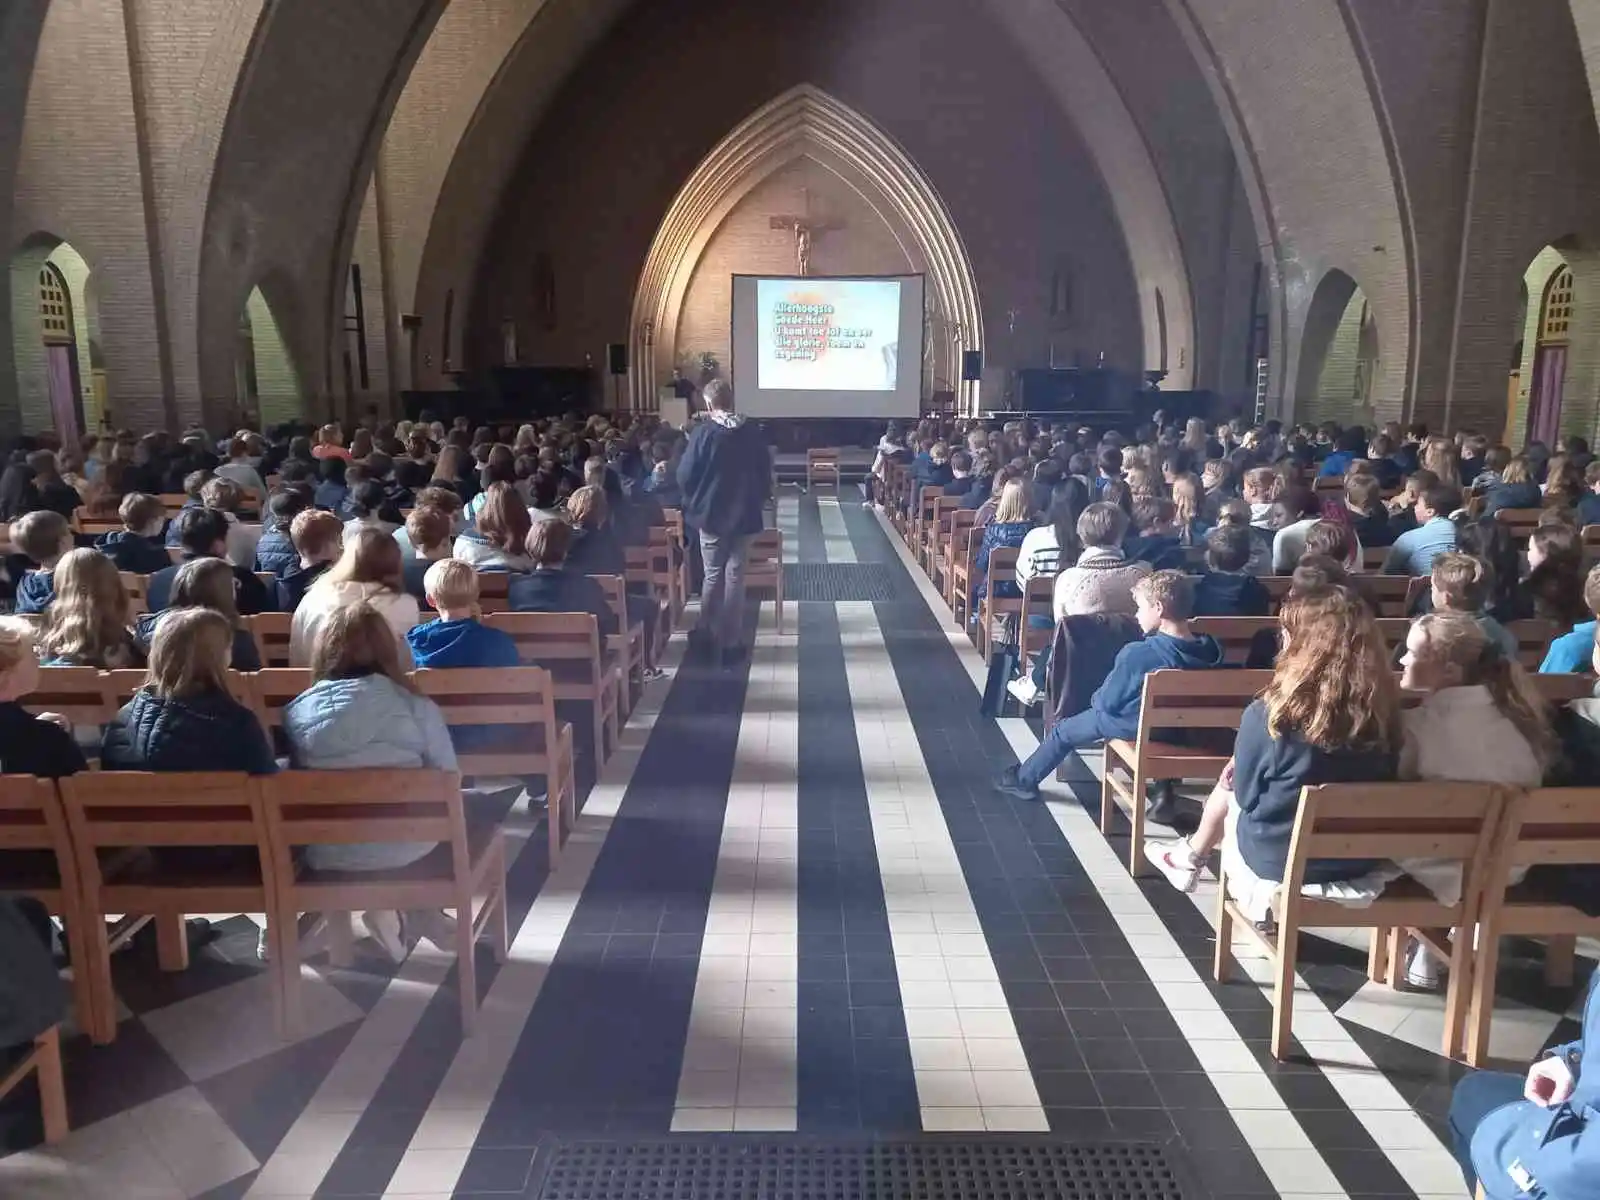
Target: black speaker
(972, 366)
(617, 358)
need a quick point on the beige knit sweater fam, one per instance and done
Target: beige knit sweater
(1101, 582)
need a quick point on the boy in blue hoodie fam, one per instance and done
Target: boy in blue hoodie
(137, 546)
(1165, 605)
(43, 536)
(458, 638)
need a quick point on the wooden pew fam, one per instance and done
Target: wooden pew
(568, 646)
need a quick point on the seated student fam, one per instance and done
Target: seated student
(1553, 588)
(368, 572)
(40, 745)
(318, 539)
(1573, 651)
(1102, 579)
(1347, 448)
(331, 490)
(204, 583)
(1054, 540)
(1260, 490)
(1236, 513)
(1533, 1135)
(442, 499)
(184, 718)
(596, 548)
(203, 533)
(362, 713)
(1495, 460)
(225, 496)
(1108, 466)
(1330, 715)
(1226, 589)
(1165, 604)
(137, 546)
(1515, 488)
(242, 471)
(1293, 514)
(1461, 584)
(1188, 499)
(429, 533)
(1011, 524)
(1589, 502)
(552, 586)
(367, 504)
(1403, 507)
(89, 624)
(496, 543)
(1413, 553)
(193, 482)
(54, 493)
(1385, 470)
(1220, 483)
(1157, 541)
(275, 552)
(1482, 721)
(459, 638)
(1369, 519)
(44, 537)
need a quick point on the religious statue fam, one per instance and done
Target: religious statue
(802, 248)
(805, 231)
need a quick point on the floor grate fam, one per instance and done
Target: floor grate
(832, 583)
(725, 1167)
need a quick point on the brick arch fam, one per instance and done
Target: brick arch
(1329, 300)
(803, 122)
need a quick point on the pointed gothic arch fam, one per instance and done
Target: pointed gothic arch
(804, 122)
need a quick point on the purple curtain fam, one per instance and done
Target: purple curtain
(1544, 399)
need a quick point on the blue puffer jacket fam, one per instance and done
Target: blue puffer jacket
(213, 732)
(1558, 1147)
(133, 552)
(351, 724)
(275, 552)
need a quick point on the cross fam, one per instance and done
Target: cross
(805, 231)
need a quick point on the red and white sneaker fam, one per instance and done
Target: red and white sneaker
(1176, 861)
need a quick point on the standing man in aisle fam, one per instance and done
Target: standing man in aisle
(726, 477)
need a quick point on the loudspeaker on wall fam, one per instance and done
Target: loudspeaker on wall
(972, 366)
(617, 358)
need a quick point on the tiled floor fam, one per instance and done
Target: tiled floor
(791, 904)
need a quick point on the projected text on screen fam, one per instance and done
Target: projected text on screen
(828, 335)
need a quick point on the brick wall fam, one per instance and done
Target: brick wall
(278, 389)
(20, 22)
(937, 76)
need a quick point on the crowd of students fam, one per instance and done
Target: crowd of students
(375, 545)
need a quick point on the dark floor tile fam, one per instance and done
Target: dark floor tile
(1067, 1089)
(497, 1171)
(1126, 1089)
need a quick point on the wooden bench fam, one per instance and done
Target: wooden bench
(1533, 640)
(954, 542)
(991, 608)
(1520, 522)
(964, 559)
(1448, 821)
(628, 648)
(1238, 634)
(519, 705)
(271, 634)
(1187, 701)
(494, 591)
(466, 870)
(763, 568)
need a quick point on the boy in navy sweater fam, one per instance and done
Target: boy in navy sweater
(137, 546)
(43, 536)
(458, 638)
(1227, 589)
(1165, 604)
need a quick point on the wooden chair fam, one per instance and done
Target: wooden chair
(173, 502)
(822, 462)
(36, 860)
(494, 591)
(568, 646)
(921, 513)
(964, 560)
(630, 642)
(1190, 702)
(1002, 568)
(271, 633)
(43, 1062)
(1373, 557)
(111, 813)
(1389, 595)
(678, 532)
(1545, 826)
(466, 871)
(1559, 687)
(935, 530)
(1520, 521)
(763, 568)
(80, 694)
(1533, 640)
(519, 704)
(952, 543)
(1449, 821)
(85, 523)
(1277, 588)
(665, 572)
(1038, 600)
(1236, 634)
(270, 690)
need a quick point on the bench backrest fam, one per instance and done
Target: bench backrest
(271, 634)
(1550, 825)
(516, 700)
(1207, 699)
(330, 808)
(564, 643)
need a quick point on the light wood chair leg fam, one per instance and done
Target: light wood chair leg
(91, 955)
(172, 942)
(1378, 955)
(286, 960)
(554, 810)
(1136, 863)
(1458, 990)
(1395, 965)
(1288, 944)
(1560, 959)
(341, 938)
(52, 1085)
(1108, 798)
(466, 965)
(502, 915)
(277, 934)
(1480, 1009)
(1222, 955)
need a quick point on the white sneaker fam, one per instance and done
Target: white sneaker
(432, 924)
(1422, 969)
(383, 925)
(1176, 861)
(1024, 689)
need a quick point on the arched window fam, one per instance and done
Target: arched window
(1555, 318)
(55, 309)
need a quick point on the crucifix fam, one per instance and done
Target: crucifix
(806, 230)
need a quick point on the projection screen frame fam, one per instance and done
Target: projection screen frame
(800, 404)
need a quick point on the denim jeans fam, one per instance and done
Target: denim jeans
(722, 593)
(1080, 729)
(1475, 1097)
